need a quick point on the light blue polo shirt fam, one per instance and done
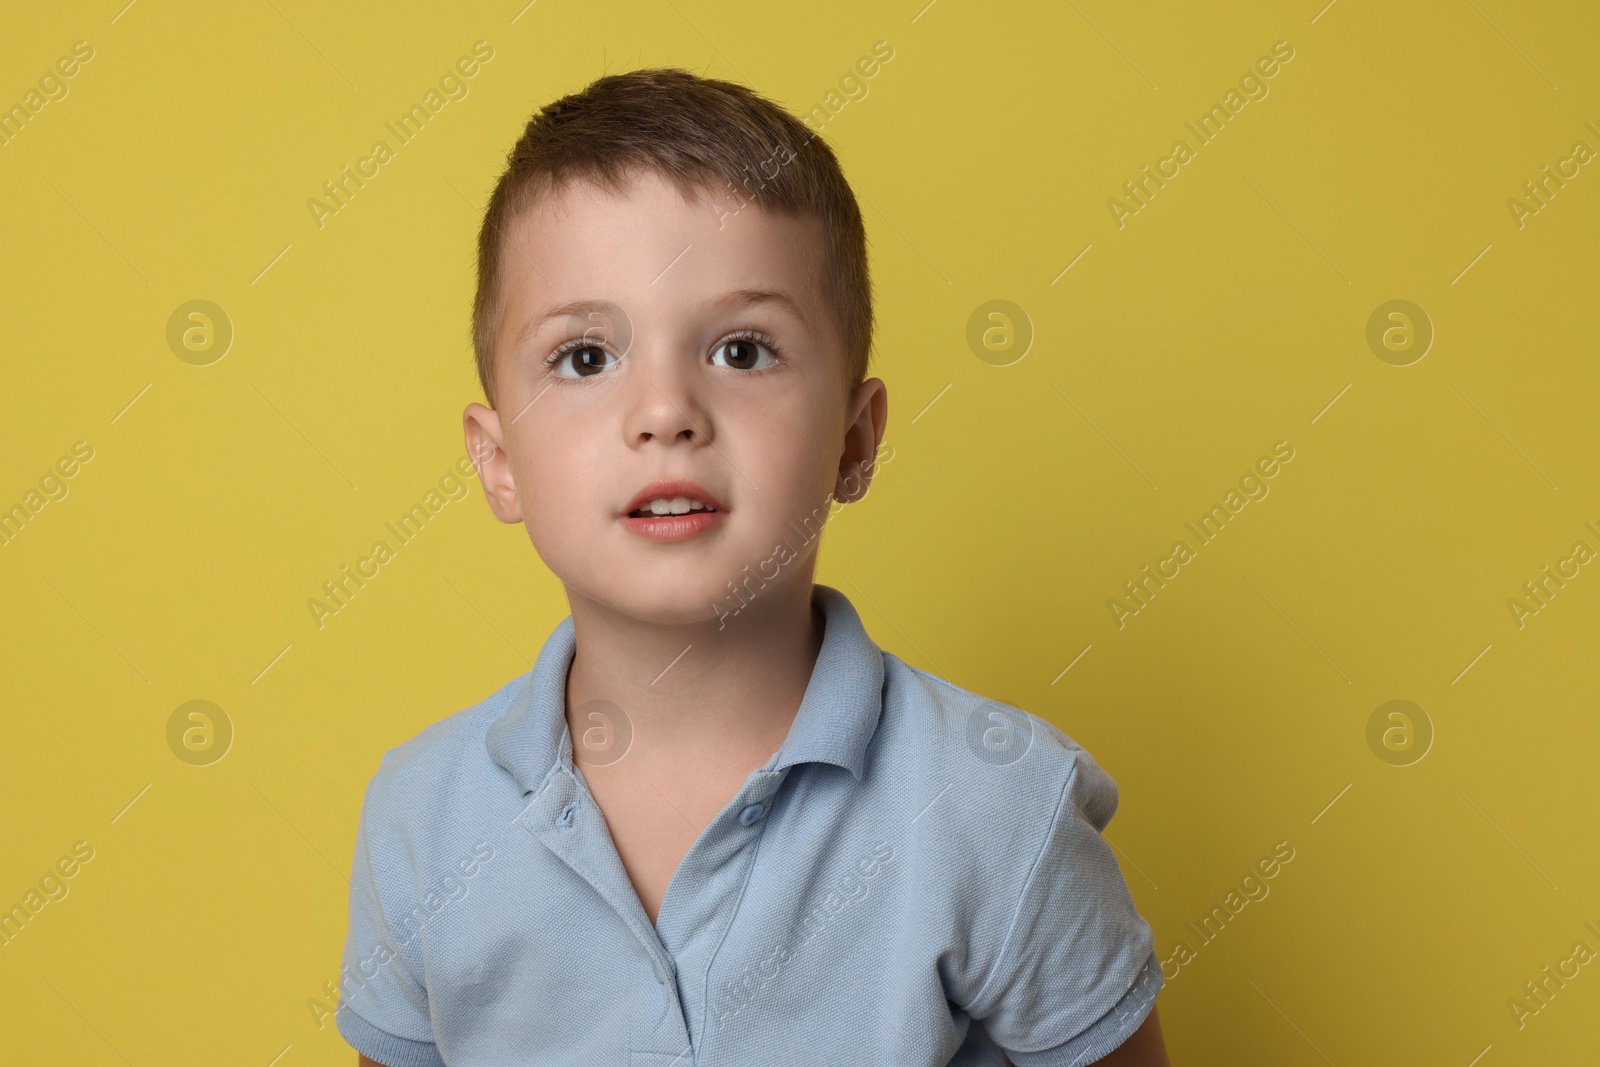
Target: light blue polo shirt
(916, 877)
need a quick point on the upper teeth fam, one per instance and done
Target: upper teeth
(678, 505)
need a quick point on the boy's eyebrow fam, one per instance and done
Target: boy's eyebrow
(584, 308)
(573, 308)
(764, 296)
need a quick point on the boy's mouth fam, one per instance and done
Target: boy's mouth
(668, 512)
(678, 497)
(678, 505)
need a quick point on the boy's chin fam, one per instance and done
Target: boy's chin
(663, 599)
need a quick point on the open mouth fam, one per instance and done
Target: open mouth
(665, 506)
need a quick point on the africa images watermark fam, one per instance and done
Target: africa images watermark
(52, 87)
(1538, 993)
(743, 590)
(1541, 190)
(1253, 887)
(1539, 591)
(852, 887)
(852, 84)
(1254, 485)
(52, 487)
(854, 88)
(52, 887)
(342, 588)
(1252, 86)
(452, 85)
(446, 890)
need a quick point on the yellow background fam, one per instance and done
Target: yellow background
(1226, 316)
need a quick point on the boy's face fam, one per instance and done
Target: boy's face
(674, 368)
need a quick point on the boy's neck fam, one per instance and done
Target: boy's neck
(727, 702)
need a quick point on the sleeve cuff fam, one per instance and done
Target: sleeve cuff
(1107, 1032)
(382, 1046)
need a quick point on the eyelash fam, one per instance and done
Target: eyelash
(567, 347)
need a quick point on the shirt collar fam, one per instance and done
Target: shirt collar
(836, 720)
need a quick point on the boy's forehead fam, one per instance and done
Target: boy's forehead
(651, 238)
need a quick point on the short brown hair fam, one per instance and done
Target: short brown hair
(700, 133)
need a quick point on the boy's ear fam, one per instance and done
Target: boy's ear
(867, 410)
(485, 444)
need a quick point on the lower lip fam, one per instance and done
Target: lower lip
(673, 527)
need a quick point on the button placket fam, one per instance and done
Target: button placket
(665, 982)
(552, 817)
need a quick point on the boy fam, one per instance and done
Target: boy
(715, 824)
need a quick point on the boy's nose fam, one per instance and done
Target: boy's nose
(664, 406)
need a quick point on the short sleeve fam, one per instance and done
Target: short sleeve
(383, 1003)
(1077, 973)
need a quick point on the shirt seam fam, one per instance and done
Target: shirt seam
(1067, 743)
(386, 927)
(429, 1042)
(976, 1004)
(422, 934)
(744, 889)
(1147, 974)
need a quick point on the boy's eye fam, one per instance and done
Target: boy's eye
(741, 353)
(582, 361)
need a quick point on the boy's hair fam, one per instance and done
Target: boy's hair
(699, 133)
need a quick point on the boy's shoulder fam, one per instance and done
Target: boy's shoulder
(993, 748)
(438, 757)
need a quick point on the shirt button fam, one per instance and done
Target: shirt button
(752, 814)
